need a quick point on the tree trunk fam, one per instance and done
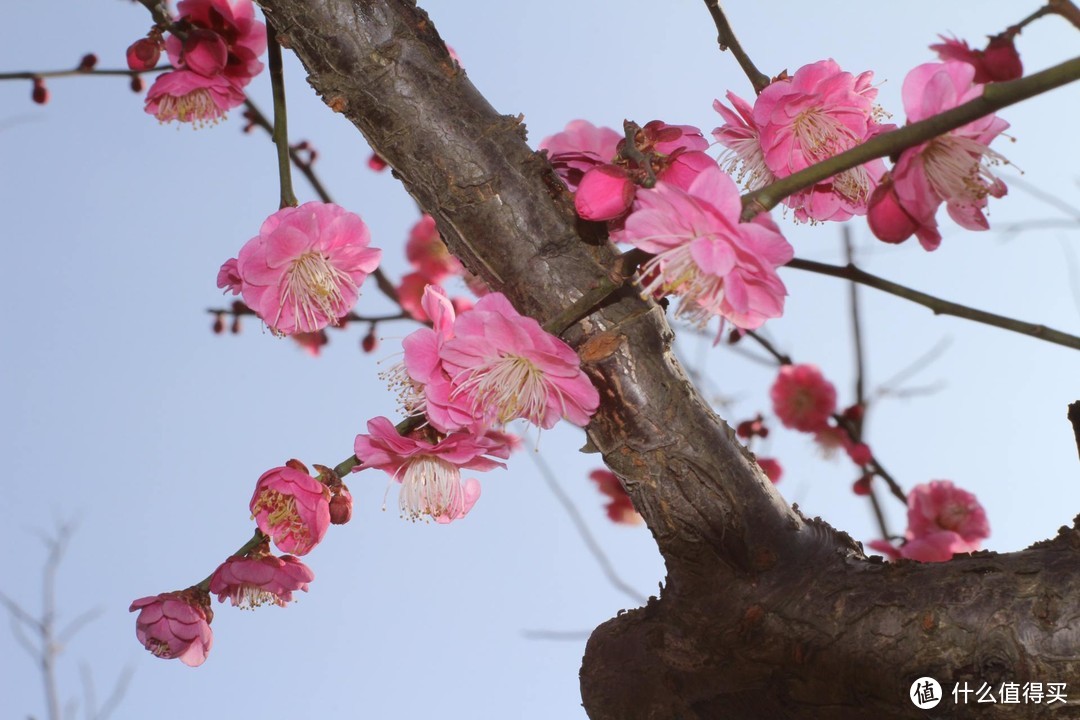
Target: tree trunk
(765, 613)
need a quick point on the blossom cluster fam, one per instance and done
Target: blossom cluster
(668, 198)
(293, 510)
(468, 376)
(215, 57)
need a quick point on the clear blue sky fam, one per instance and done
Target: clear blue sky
(122, 410)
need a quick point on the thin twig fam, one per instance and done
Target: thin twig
(889, 387)
(239, 309)
(936, 304)
(117, 72)
(726, 39)
(1067, 10)
(583, 530)
(280, 134)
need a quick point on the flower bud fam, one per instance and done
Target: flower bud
(40, 93)
(143, 54)
(605, 193)
(887, 218)
(340, 505)
(1000, 61)
(88, 62)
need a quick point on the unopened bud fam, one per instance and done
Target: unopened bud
(340, 505)
(88, 62)
(862, 485)
(1000, 61)
(219, 324)
(370, 342)
(376, 163)
(143, 54)
(137, 83)
(40, 93)
(235, 327)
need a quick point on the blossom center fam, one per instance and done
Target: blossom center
(281, 512)
(509, 386)
(249, 597)
(675, 271)
(430, 487)
(313, 286)
(197, 107)
(959, 168)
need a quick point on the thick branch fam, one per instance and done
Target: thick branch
(765, 613)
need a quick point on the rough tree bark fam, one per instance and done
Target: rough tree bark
(765, 613)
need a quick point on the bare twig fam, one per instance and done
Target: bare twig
(727, 41)
(937, 305)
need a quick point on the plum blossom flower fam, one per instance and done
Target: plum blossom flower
(802, 398)
(799, 121)
(604, 179)
(771, 467)
(427, 252)
(942, 520)
(304, 269)
(260, 578)
(718, 265)
(997, 63)
(214, 61)
(501, 365)
(579, 148)
(430, 473)
(176, 625)
(227, 39)
(954, 168)
(291, 507)
(619, 508)
(186, 96)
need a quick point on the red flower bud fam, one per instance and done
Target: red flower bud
(1000, 61)
(88, 62)
(136, 83)
(40, 93)
(143, 54)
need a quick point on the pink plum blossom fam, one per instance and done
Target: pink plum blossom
(718, 265)
(799, 121)
(176, 625)
(304, 269)
(428, 253)
(186, 96)
(605, 193)
(942, 520)
(430, 473)
(501, 365)
(953, 168)
(802, 398)
(579, 148)
(619, 507)
(291, 507)
(771, 467)
(234, 24)
(260, 578)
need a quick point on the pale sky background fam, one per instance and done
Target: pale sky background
(122, 410)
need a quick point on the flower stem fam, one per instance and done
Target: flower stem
(281, 131)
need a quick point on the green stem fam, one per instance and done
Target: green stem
(995, 96)
(281, 131)
(31, 75)
(937, 305)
